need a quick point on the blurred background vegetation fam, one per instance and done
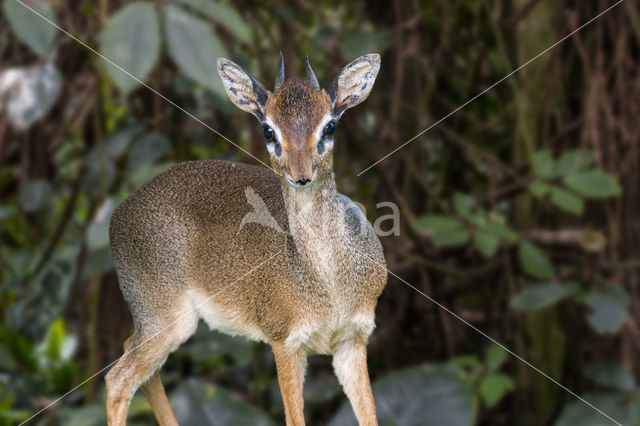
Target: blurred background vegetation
(520, 212)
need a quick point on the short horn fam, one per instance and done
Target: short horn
(311, 76)
(280, 76)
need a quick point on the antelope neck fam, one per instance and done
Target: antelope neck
(312, 207)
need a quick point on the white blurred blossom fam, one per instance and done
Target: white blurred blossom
(28, 93)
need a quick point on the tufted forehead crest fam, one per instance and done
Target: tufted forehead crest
(297, 97)
(298, 106)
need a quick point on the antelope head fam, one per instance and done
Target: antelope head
(299, 119)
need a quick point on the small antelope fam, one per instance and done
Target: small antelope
(303, 273)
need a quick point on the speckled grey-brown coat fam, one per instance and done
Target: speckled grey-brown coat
(180, 232)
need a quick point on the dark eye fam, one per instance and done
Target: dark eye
(330, 128)
(268, 133)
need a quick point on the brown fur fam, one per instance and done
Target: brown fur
(297, 109)
(290, 366)
(309, 284)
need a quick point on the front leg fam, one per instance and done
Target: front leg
(290, 365)
(350, 365)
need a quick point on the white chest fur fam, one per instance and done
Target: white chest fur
(322, 244)
(322, 337)
(317, 222)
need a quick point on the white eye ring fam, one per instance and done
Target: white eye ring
(273, 144)
(325, 140)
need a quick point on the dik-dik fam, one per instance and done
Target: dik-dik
(302, 274)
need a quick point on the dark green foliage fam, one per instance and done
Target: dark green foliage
(519, 212)
(418, 396)
(198, 403)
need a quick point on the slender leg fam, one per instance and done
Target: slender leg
(122, 382)
(138, 364)
(154, 391)
(157, 398)
(350, 365)
(290, 366)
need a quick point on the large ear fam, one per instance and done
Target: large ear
(354, 82)
(243, 89)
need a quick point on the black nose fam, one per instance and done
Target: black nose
(303, 182)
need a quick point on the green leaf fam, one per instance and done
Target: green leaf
(539, 188)
(617, 405)
(54, 340)
(609, 305)
(454, 238)
(437, 223)
(223, 14)
(593, 183)
(494, 387)
(534, 261)
(30, 28)
(102, 159)
(98, 231)
(496, 356)
(147, 150)
(540, 296)
(567, 201)
(118, 142)
(572, 161)
(611, 375)
(418, 396)
(36, 195)
(462, 203)
(478, 218)
(131, 39)
(196, 402)
(486, 243)
(445, 231)
(467, 361)
(194, 47)
(543, 163)
(501, 229)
